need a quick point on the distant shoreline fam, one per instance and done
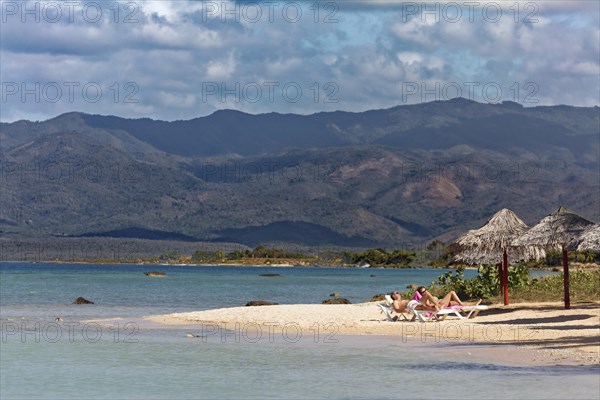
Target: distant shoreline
(277, 265)
(273, 265)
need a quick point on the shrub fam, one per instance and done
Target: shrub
(584, 285)
(485, 285)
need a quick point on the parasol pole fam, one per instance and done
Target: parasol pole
(501, 277)
(565, 260)
(505, 277)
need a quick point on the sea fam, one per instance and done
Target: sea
(53, 349)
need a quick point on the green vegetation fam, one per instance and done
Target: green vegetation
(169, 256)
(436, 254)
(381, 257)
(257, 253)
(554, 259)
(439, 255)
(584, 285)
(208, 256)
(485, 285)
(263, 252)
(374, 257)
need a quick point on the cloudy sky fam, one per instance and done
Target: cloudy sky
(183, 59)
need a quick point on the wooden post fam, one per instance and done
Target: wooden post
(501, 276)
(565, 259)
(505, 277)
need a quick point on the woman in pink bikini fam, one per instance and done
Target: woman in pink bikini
(423, 300)
(402, 306)
(422, 295)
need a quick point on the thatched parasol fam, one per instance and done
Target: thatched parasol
(490, 244)
(588, 240)
(554, 233)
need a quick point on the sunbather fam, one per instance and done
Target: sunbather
(422, 295)
(401, 306)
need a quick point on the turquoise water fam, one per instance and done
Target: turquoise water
(125, 291)
(129, 358)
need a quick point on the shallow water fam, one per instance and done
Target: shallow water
(125, 291)
(44, 358)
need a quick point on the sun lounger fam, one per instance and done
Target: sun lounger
(458, 311)
(472, 310)
(387, 310)
(424, 315)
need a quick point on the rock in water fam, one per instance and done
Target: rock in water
(255, 303)
(81, 300)
(335, 294)
(270, 275)
(155, 274)
(337, 301)
(378, 297)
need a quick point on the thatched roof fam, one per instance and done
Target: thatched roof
(554, 231)
(588, 240)
(486, 244)
(515, 254)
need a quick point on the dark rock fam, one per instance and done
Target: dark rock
(81, 300)
(336, 301)
(335, 294)
(270, 275)
(378, 297)
(373, 275)
(255, 303)
(156, 274)
(412, 286)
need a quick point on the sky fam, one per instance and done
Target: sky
(182, 59)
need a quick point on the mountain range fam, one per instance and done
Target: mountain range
(393, 177)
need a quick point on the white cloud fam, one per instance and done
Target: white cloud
(280, 67)
(176, 99)
(368, 53)
(173, 36)
(222, 69)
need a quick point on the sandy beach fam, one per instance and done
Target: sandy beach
(556, 334)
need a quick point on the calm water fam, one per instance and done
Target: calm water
(128, 358)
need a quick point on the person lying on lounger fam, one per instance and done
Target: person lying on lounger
(401, 306)
(451, 299)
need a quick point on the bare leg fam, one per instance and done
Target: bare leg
(447, 300)
(426, 308)
(429, 300)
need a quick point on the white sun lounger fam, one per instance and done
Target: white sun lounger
(441, 315)
(472, 310)
(424, 315)
(387, 309)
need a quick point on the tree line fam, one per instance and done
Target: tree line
(435, 254)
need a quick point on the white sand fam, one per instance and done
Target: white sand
(548, 327)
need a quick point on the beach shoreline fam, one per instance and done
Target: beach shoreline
(554, 335)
